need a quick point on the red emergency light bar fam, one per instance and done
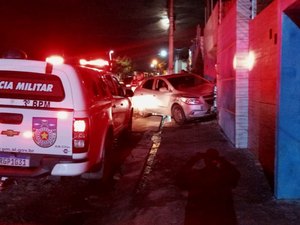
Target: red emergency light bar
(95, 62)
(55, 60)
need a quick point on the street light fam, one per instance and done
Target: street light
(163, 53)
(165, 23)
(154, 63)
(110, 58)
(110, 54)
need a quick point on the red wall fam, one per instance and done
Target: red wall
(226, 75)
(263, 87)
(210, 44)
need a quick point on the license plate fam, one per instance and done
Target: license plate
(199, 107)
(10, 160)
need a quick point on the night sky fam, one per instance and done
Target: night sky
(93, 27)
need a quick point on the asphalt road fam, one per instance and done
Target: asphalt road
(52, 200)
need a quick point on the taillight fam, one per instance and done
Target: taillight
(80, 135)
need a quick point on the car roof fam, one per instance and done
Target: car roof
(27, 65)
(166, 76)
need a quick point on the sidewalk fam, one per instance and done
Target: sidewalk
(254, 203)
(159, 199)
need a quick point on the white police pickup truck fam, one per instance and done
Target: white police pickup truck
(58, 119)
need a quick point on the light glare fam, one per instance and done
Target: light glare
(163, 53)
(165, 23)
(62, 115)
(95, 62)
(79, 126)
(55, 60)
(143, 102)
(244, 61)
(27, 134)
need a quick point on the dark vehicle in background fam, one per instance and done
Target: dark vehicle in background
(127, 81)
(183, 96)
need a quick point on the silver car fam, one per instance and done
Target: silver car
(183, 96)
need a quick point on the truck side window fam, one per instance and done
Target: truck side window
(103, 89)
(93, 83)
(111, 85)
(120, 89)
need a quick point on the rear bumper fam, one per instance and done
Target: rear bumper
(50, 165)
(70, 169)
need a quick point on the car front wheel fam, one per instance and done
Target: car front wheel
(178, 114)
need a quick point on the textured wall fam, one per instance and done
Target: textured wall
(242, 72)
(232, 81)
(260, 109)
(210, 44)
(263, 87)
(226, 73)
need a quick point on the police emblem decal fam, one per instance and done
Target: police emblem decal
(44, 131)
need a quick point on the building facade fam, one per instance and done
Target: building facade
(252, 50)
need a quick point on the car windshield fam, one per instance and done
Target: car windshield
(186, 81)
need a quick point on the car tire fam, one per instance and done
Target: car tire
(178, 114)
(107, 168)
(128, 129)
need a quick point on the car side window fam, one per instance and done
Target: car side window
(161, 84)
(148, 84)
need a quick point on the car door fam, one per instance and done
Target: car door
(150, 98)
(162, 95)
(120, 105)
(143, 99)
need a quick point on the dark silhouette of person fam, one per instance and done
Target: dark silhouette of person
(209, 180)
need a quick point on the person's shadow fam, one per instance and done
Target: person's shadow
(209, 179)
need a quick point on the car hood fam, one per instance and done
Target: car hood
(200, 90)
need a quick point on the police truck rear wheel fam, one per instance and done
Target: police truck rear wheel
(107, 161)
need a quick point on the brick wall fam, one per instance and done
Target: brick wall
(242, 50)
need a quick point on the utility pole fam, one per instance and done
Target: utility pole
(171, 37)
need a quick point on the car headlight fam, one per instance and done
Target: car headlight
(191, 100)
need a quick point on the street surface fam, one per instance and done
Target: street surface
(162, 177)
(51, 200)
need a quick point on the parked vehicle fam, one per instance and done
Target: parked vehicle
(183, 96)
(138, 78)
(127, 81)
(59, 119)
